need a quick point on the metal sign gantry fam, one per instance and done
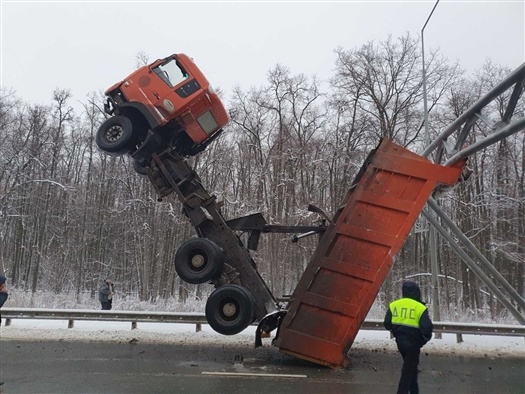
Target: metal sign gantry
(448, 153)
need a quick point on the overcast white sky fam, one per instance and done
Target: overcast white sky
(87, 46)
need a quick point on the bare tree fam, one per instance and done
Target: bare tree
(386, 77)
(141, 59)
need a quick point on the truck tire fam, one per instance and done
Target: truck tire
(230, 309)
(199, 260)
(115, 136)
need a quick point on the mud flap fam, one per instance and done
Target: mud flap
(269, 323)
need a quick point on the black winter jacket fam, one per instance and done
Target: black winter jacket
(419, 336)
(411, 334)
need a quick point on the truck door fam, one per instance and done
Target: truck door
(181, 85)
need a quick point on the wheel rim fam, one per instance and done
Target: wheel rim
(198, 261)
(114, 133)
(229, 309)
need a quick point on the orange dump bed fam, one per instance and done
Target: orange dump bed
(356, 253)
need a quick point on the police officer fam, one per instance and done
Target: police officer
(408, 320)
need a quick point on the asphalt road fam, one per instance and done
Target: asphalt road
(83, 367)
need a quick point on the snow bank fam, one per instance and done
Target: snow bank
(185, 334)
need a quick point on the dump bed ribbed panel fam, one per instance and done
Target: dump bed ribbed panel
(356, 253)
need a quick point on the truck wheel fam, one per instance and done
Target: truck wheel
(115, 135)
(199, 260)
(230, 309)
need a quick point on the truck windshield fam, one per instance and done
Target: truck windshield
(171, 72)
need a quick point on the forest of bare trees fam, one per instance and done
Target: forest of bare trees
(71, 216)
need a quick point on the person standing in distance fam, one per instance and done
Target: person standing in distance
(3, 298)
(105, 294)
(408, 320)
(3, 293)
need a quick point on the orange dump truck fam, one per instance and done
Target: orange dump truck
(166, 111)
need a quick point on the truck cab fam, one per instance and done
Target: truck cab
(168, 104)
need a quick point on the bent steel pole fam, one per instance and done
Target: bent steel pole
(472, 248)
(496, 136)
(500, 130)
(515, 77)
(473, 266)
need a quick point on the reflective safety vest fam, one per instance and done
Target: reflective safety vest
(407, 312)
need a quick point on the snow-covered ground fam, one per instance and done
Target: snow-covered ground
(174, 333)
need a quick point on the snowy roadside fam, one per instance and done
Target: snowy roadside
(174, 333)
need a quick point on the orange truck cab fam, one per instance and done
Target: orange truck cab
(168, 104)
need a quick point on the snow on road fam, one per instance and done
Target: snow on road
(175, 333)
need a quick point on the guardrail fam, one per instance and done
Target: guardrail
(199, 318)
(80, 314)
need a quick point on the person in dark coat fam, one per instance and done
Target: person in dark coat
(3, 293)
(408, 320)
(105, 294)
(3, 290)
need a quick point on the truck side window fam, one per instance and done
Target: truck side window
(171, 72)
